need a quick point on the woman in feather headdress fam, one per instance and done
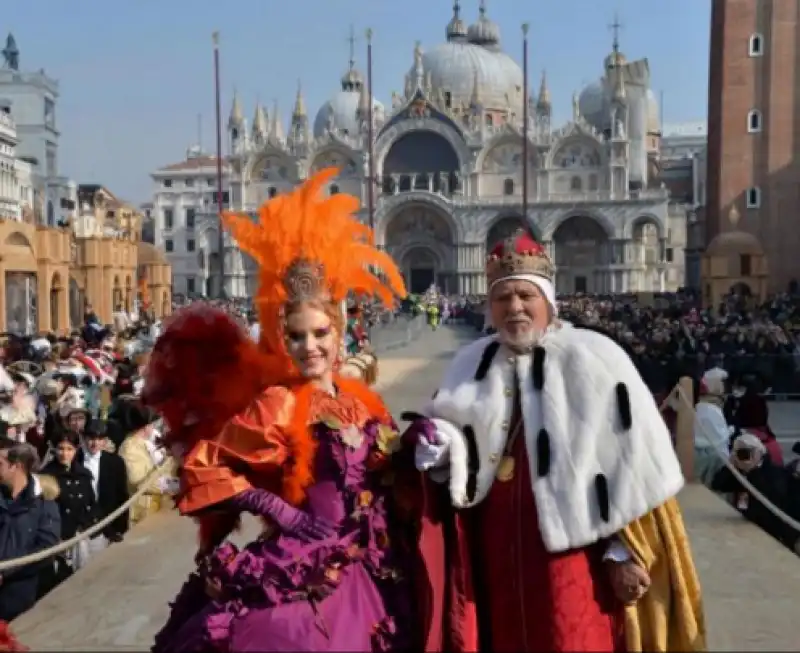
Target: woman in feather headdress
(272, 429)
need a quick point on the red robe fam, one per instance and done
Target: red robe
(487, 583)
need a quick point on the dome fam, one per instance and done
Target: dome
(342, 109)
(615, 60)
(455, 67)
(593, 105)
(484, 32)
(734, 242)
(148, 254)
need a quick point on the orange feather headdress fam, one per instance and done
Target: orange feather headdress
(310, 246)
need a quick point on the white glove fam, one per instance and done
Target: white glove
(168, 485)
(158, 455)
(430, 456)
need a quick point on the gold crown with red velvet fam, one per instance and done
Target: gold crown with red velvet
(518, 254)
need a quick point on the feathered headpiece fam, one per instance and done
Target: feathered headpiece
(310, 247)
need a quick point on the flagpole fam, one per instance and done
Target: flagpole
(525, 28)
(220, 203)
(370, 152)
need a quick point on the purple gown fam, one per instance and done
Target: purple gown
(348, 593)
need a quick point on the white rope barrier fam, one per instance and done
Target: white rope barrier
(725, 457)
(89, 532)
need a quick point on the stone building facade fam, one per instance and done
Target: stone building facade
(448, 164)
(753, 141)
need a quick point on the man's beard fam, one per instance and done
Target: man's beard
(521, 343)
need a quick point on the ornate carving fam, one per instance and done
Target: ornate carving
(577, 155)
(417, 222)
(335, 160)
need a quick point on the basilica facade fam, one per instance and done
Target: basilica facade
(449, 171)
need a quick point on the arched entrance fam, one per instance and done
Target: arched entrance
(56, 288)
(421, 160)
(421, 240)
(77, 303)
(581, 250)
(741, 289)
(419, 266)
(502, 229)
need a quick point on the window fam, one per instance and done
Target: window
(190, 244)
(448, 99)
(189, 182)
(489, 120)
(756, 48)
(754, 121)
(745, 265)
(670, 255)
(334, 189)
(190, 286)
(168, 219)
(272, 192)
(190, 215)
(753, 197)
(168, 245)
(575, 183)
(168, 183)
(508, 187)
(211, 181)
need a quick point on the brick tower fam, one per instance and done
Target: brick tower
(754, 128)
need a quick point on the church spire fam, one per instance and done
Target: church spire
(299, 102)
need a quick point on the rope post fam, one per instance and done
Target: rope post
(684, 429)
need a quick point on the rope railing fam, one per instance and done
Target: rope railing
(90, 532)
(678, 393)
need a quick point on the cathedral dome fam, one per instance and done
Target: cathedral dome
(457, 67)
(593, 104)
(341, 111)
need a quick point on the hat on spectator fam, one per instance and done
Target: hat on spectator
(520, 257)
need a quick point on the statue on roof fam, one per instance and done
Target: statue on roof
(11, 53)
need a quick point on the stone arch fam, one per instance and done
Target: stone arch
(742, 289)
(548, 232)
(390, 136)
(334, 157)
(504, 154)
(420, 266)
(420, 160)
(580, 252)
(504, 225)
(643, 219)
(421, 227)
(416, 204)
(18, 239)
(576, 152)
(270, 164)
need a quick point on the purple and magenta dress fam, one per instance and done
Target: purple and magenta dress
(348, 591)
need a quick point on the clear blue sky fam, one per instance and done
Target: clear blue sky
(135, 74)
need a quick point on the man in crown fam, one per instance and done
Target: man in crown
(550, 519)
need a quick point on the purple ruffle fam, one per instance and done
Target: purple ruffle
(279, 570)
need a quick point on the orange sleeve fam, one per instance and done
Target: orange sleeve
(252, 444)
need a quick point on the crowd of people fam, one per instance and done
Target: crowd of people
(75, 443)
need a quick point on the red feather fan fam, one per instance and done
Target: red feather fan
(204, 369)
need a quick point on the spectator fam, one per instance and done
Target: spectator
(29, 523)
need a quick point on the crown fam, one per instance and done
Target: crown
(518, 254)
(304, 280)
